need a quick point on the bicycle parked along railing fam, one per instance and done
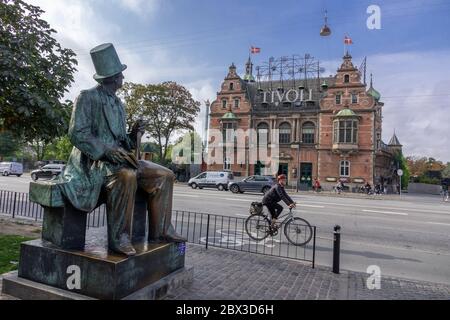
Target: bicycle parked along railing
(298, 231)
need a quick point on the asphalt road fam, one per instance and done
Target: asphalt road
(407, 237)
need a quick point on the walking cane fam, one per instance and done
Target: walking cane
(138, 145)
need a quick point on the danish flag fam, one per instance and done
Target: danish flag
(348, 40)
(255, 50)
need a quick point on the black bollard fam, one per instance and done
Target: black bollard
(336, 248)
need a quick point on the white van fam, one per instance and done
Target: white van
(211, 179)
(11, 168)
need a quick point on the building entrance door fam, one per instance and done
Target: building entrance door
(306, 174)
(284, 169)
(259, 169)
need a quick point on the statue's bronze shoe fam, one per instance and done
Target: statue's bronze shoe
(127, 250)
(174, 237)
(124, 247)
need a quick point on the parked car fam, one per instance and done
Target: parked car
(211, 179)
(48, 171)
(11, 168)
(252, 184)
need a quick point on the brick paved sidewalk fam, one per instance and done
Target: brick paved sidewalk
(233, 275)
(221, 274)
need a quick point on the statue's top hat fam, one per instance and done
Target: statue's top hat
(106, 61)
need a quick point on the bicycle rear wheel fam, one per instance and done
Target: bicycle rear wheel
(257, 227)
(298, 231)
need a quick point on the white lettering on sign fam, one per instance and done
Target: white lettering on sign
(293, 95)
(74, 281)
(374, 281)
(374, 20)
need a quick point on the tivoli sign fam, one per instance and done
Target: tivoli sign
(292, 95)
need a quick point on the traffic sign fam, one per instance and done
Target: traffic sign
(399, 172)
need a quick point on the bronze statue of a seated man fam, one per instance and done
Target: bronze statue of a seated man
(102, 162)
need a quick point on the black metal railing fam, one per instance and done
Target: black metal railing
(199, 228)
(229, 233)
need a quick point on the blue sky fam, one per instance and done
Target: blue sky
(194, 41)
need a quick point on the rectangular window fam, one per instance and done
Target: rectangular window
(338, 99)
(285, 135)
(308, 135)
(227, 132)
(354, 98)
(355, 132)
(345, 131)
(227, 164)
(236, 103)
(348, 131)
(345, 168)
(224, 104)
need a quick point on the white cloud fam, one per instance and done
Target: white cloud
(414, 88)
(140, 7)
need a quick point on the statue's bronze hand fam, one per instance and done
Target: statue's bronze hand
(115, 156)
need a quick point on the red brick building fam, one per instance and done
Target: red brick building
(328, 128)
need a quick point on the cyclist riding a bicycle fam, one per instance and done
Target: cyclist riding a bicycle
(275, 195)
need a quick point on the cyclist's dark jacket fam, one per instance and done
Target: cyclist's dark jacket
(276, 194)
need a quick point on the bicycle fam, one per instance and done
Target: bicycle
(298, 231)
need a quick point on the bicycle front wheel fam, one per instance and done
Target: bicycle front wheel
(257, 227)
(298, 231)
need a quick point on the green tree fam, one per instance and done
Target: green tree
(35, 72)
(9, 144)
(59, 149)
(403, 164)
(446, 171)
(166, 108)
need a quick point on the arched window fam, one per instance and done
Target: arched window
(344, 168)
(285, 133)
(263, 133)
(346, 131)
(308, 132)
(231, 86)
(346, 78)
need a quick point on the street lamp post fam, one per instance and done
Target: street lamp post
(297, 144)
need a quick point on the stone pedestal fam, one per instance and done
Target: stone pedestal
(97, 273)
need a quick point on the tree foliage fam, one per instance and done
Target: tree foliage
(59, 149)
(446, 171)
(419, 166)
(403, 164)
(8, 144)
(166, 108)
(35, 72)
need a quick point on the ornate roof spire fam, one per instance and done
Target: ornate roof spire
(249, 71)
(394, 141)
(372, 92)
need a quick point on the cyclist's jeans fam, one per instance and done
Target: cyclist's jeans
(275, 210)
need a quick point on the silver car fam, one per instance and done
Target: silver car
(252, 184)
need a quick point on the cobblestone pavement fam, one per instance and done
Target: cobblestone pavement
(233, 275)
(221, 274)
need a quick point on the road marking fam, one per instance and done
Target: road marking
(365, 206)
(187, 195)
(386, 212)
(242, 200)
(439, 223)
(309, 206)
(378, 245)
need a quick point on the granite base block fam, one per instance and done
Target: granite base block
(25, 289)
(95, 272)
